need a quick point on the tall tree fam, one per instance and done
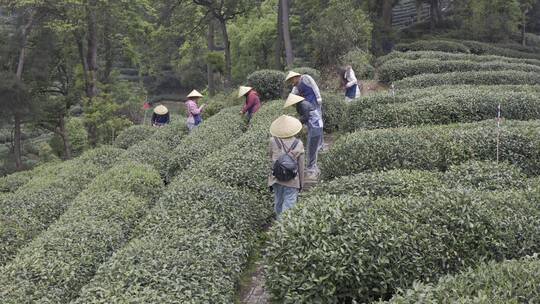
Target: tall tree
(209, 65)
(285, 15)
(279, 42)
(223, 11)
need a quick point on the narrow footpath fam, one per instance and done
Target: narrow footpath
(254, 292)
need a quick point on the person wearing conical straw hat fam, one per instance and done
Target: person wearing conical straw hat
(311, 117)
(161, 116)
(252, 104)
(287, 156)
(194, 112)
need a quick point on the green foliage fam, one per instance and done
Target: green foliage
(398, 69)
(316, 74)
(433, 148)
(104, 157)
(15, 181)
(134, 135)
(153, 152)
(66, 256)
(337, 249)
(470, 78)
(334, 112)
(487, 176)
(491, 20)
(361, 63)
(213, 134)
(453, 56)
(101, 117)
(481, 48)
(341, 27)
(78, 138)
(448, 106)
(512, 281)
(269, 83)
(434, 45)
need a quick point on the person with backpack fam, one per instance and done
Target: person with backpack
(161, 116)
(194, 112)
(252, 104)
(287, 156)
(311, 117)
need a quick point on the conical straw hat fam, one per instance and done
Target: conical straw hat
(291, 75)
(285, 126)
(161, 110)
(292, 100)
(243, 91)
(194, 93)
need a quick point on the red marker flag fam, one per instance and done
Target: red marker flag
(147, 106)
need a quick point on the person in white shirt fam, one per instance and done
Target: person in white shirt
(351, 84)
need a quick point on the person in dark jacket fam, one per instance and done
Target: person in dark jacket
(161, 116)
(253, 102)
(311, 117)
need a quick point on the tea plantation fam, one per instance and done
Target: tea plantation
(423, 199)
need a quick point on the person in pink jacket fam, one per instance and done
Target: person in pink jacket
(194, 112)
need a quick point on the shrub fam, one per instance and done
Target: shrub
(336, 249)
(431, 148)
(15, 181)
(153, 152)
(269, 83)
(133, 135)
(104, 157)
(309, 71)
(172, 134)
(453, 56)
(486, 176)
(468, 105)
(360, 62)
(398, 69)
(334, 112)
(56, 265)
(513, 281)
(203, 227)
(78, 138)
(471, 78)
(212, 135)
(434, 45)
(30, 210)
(481, 48)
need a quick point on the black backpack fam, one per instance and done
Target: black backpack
(286, 166)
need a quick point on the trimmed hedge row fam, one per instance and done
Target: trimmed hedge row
(514, 281)
(212, 135)
(448, 107)
(192, 246)
(434, 148)
(481, 48)
(30, 210)
(453, 56)
(336, 249)
(12, 182)
(470, 78)
(134, 135)
(334, 112)
(55, 265)
(434, 45)
(473, 175)
(398, 69)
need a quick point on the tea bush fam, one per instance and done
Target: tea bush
(172, 134)
(12, 182)
(486, 176)
(56, 265)
(30, 210)
(153, 152)
(192, 247)
(134, 135)
(336, 249)
(481, 48)
(434, 45)
(452, 106)
(334, 112)
(433, 148)
(104, 157)
(453, 56)
(398, 69)
(471, 78)
(269, 83)
(212, 135)
(514, 281)
(360, 62)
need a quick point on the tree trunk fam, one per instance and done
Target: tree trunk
(109, 54)
(387, 15)
(65, 138)
(285, 12)
(279, 42)
(91, 56)
(20, 68)
(80, 47)
(228, 62)
(209, 67)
